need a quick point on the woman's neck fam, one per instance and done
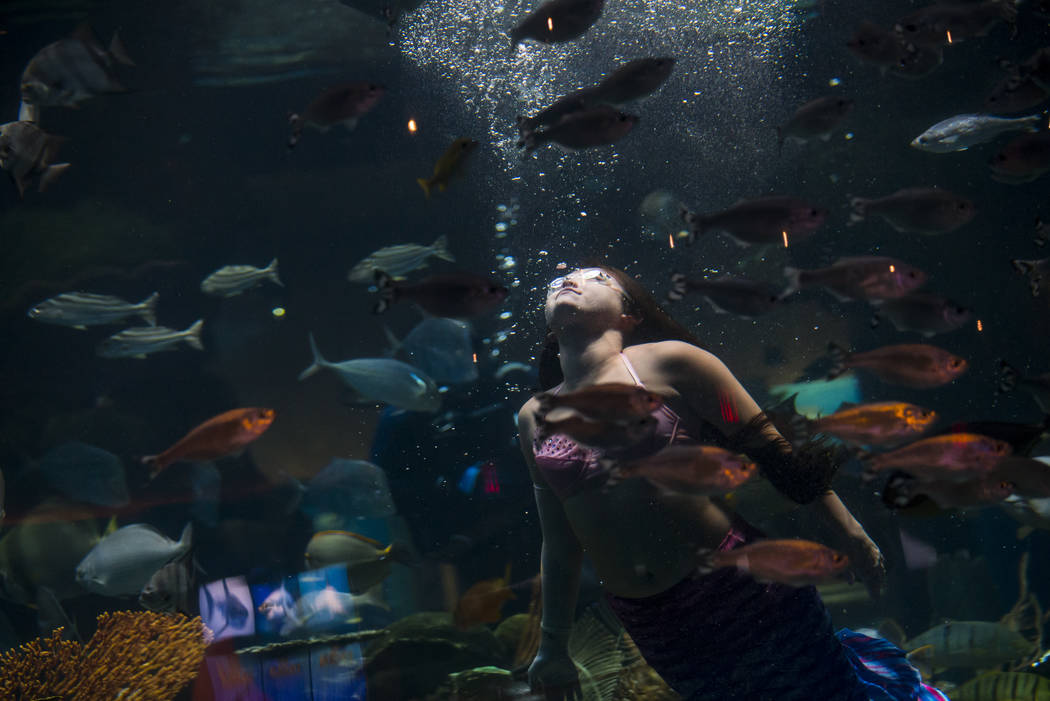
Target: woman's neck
(582, 360)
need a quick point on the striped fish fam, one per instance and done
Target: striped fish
(235, 279)
(27, 151)
(1004, 686)
(72, 70)
(140, 342)
(972, 644)
(172, 588)
(398, 261)
(83, 309)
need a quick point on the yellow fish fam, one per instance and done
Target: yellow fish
(1004, 686)
(448, 165)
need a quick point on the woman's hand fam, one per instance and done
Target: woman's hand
(866, 563)
(553, 673)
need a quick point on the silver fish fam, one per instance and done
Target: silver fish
(123, 561)
(924, 312)
(83, 309)
(397, 261)
(594, 126)
(172, 588)
(962, 131)
(382, 380)
(140, 342)
(72, 70)
(27, 151)
(440, 347)
(235, 279)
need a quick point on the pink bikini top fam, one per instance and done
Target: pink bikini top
(569, 468)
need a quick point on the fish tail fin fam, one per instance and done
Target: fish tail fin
(1034, 122)
(387, 292)
(319, 361)
(440, 249)
(117, 50)
(51, 174)
(838, 360)
(395, 344)
(678, 287)
(273, 276)
(185, 540)
(860, 210)
(1007, 377)
(425, 184)
(794, 276)
(296, 123)
(193, 335)
(695, 223)
(148, 310)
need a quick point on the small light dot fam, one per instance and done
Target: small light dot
(834, 81)
(278, 312)
(412, 126)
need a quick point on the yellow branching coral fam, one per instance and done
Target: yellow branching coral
(133, 655)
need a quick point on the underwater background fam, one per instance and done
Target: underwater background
(189, 170)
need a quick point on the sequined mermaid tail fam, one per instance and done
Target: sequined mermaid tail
(884, 669)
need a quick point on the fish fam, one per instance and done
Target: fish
(367, 560)
(859, 277)
(971, 645)
(397, 261)
(962, 131)
(917, 365)
(1004, 686)
(458, 295)
(947, 23)
(1037, 272)
(1036, 385)
(815, 119)
(921, 210)
(172, 588)
(125, 560)
(606, 435)
(352, 489)
(757, 221)
(1021, 437)
(923, 312)
(342, 104)
(875, 423)
(483, 602)
(328, 606)
(141, 341)
(590, 127)
(28, 152)
(85, 473)
(450, 165)
(727, 294)
(217, 437)
(698, 470)
(1027, 477)
(557, 21)
(918, 61)
(82, 309)
(609, 401)
(232, 280)
(634, 80)
(442, 348)
(277, 605)
(1033, 514)
(381, 380)
(1022, 160)
(887, 50)
(72, 70)
(905, 491)
(794, 562)
(42, 550)
(1014, 93)
(954, 457)
(568, 104)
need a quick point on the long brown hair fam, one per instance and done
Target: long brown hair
(656, 325)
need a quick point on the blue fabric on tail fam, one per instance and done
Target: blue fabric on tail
(884, 669)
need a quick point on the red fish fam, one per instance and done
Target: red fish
(912, 364)
(483, 602)
(691, 469)
(218, 436)
(793, 562)
(610, 401)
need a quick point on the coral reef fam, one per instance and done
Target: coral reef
(132, 655)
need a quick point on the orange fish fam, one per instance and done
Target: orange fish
(598, 434)
(877, 423)
(954, 457)
(218, 436)
(794, 562)
(703, 470)
(612, 401)
(483, 602)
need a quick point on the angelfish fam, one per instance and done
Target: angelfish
(27, 152)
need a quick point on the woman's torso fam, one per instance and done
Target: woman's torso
(640, 540)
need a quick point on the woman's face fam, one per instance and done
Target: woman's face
(589, 292)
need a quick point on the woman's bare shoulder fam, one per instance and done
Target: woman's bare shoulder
(527, 412)
(672, 353)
